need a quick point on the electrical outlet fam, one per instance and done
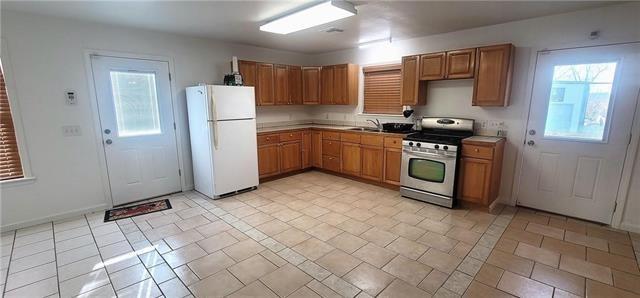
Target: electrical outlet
(483, 124)
(71, 131)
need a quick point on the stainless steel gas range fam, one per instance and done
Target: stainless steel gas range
(430, 160)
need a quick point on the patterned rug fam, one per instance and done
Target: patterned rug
(135, 210)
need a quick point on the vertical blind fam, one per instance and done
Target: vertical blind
(382, 89)
(10, 165)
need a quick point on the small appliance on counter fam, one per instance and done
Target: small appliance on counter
(235, 78)
(430, 160)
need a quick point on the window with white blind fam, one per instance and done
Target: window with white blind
(10, 163)
(382, 89)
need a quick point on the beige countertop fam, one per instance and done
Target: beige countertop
(263, 130)
(483, 139)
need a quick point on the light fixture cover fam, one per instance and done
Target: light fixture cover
(319, 14)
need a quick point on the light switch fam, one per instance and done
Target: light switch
(71, 131)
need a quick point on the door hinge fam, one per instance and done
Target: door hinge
(169, 76)
(174, 126)
(630, 137)
(179, 172)
(615, 206)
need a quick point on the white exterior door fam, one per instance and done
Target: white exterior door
(579, 127)
(138, 132)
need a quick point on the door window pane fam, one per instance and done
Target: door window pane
(427, 170)
(579, 101)
(136, 103)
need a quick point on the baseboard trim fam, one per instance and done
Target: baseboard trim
(630, 227)
(59, 216)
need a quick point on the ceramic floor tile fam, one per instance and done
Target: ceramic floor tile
(439, 260)
(334, 286)
(105, 291)
(537, 254)
(79, 268)
(587, 241)
(252, 268)
(161, 273)
(147, 287)
(523, 287)
(291, 237)
(210, 264)
(285, 280)
(597, 289)
(479, 290)
(489, 275)
(29, 276)
(586, 269)
(183, 239)
(243, 249)
(31, 261)
(217, 242)
(399, 288)
(184, 255)
(511, 262)
(347, 242)
(614, 261)
(379, 237)
(407, 248)
(338, 262)
(369, 279)
(256, 289)
(559, 279)
(27, 250)
(173, 288)
(41, 288)
(84, 283)
(374, 255)
(545, 230)
(313, 248)
(408, 270)
(565, 248)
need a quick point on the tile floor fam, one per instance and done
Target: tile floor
(317, 235)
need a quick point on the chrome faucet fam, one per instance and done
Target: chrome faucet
(376, 123)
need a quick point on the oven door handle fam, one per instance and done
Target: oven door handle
(428, 154)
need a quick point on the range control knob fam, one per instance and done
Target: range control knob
(436, 146)
(418, 144)
(410, 143)
(445, 148)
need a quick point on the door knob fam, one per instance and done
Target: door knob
(107, 131)
(108, 141)
(531, 143)
(532, 132)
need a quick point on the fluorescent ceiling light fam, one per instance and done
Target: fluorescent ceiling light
(375, 43)
(319, 14)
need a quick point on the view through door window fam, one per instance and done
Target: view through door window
(579, 101)
(136, 103)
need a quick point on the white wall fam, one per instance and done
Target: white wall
(453, 98)
(46, 56)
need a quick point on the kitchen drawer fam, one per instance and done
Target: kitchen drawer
(477, 151)
(331, 163)
(268, 139)
(290, 136)
(371, 140)
(331, 135)
(391, 142)
(330, 147)
(350, 138)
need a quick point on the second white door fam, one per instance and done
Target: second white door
(138, 129)
(579, 127)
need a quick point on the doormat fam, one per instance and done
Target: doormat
(135, 210)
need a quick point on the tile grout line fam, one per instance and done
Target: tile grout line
(55, 256)
(100, 255)
(6, 278)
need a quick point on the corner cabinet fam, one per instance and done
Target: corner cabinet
(480, 171)
(494, 65)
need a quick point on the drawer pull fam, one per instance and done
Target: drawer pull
(268, 139)
(476, 150)
(291, 135)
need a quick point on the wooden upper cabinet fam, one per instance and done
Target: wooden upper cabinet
(493, 69)
(345, 84)
(264, 84)
(281, 85)
(460, 64)
(327, 85)
(432, 66)
(311, 85)
(248, 70)
(410, 93)
(295, 85)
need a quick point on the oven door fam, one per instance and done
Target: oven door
(429, 172)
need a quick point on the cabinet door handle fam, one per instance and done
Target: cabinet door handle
(476, 150)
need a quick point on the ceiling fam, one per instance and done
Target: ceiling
(238, 21)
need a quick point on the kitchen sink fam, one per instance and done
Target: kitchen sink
(365, 129)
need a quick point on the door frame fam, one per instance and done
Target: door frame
(632, 148)
(95, 114)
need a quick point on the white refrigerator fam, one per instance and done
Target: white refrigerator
(222, 125)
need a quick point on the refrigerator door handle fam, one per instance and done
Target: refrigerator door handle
(212, 119)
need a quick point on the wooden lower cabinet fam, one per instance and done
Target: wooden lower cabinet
(306, 149)
(374, 157)
(392, 164)
(480, 171)
(475, 179)
(316, 149)
(290, 157)
(268, 160)
(372, 162)
(351, 159)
